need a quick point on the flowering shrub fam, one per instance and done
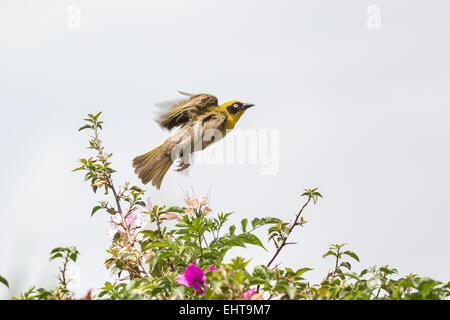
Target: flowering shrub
(149, 260)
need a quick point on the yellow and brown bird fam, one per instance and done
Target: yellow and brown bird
(202, 121)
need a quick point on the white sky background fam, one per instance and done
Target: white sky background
(362, 114)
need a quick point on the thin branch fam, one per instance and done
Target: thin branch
(117, 196)
(283, 243)
(62, 278)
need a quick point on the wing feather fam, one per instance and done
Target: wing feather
(187, 110)
(213, 128)
(209, 128)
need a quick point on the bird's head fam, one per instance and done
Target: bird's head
(235, 106)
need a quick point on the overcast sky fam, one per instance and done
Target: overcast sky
(355, 92)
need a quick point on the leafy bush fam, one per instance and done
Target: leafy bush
(150, 260)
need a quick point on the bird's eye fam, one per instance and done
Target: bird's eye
(235, 105)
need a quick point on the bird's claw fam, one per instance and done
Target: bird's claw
(182, 166)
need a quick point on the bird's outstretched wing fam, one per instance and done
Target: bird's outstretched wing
(187, 110)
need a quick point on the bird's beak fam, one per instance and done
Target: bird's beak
(247, 105)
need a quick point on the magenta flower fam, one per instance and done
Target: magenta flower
(212, 268)
(194, 277)
(248, 294)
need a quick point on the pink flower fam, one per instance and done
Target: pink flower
(194, 277)
(149, 204)
(248, 294)
(134, 221)
(141, 219)
(204, 201)
(189, 212)
(190, 202)
(206, 211)
(169, 216)
(114, 226)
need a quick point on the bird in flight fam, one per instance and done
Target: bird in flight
(201, 121)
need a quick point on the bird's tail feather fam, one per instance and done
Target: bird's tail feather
(152, 166)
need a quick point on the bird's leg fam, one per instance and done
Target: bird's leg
(185, 162)
(182, 166)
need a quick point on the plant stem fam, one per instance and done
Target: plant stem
(158, 225)
(123, 216)
(62, 278)
(337, 260)
(200, 243)
(283, 243)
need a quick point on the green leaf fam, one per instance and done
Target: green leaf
(151, 245)
(86, 126)
(109, 286)
(73, 257)
(95, 209)
(262, 271)
(244, 225)
(136, 188)
(73, 254)
(251, 239)
(4, 281)
(301, 271)
(263, 221)
(57, 249)
(174, 209)
(58, 255)
(97, 115)
(346, 265)
(329, 253)
(351, 254)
